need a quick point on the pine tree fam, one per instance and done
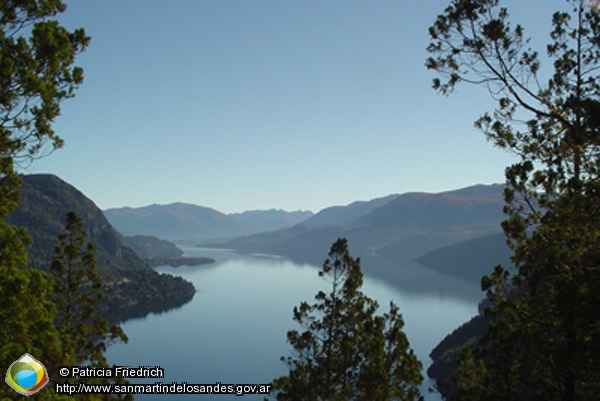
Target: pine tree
(27, 317)
(77, 292)
(36, 75)
(346, 351)
(544, 340)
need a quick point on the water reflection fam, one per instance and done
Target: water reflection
(233, 331)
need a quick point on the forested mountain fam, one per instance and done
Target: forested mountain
(185, 222)
(445, 354)
(131, 287)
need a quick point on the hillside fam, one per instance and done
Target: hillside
(445, 354)
(159, 252)
(469, 258)
(132, 288)
(150, 247)
(479, 206)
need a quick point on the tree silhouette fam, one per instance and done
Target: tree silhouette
(545, 331)
(77, 291)
(36, 75)
(347, 352)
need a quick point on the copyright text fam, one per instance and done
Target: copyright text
(85, 372)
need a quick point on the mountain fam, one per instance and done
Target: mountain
(346, 215)
(270, 220)
(318, 231)
(159, 252)
(396, 228)
(149, 247)
(185, 222)
(177, 221)
(429, 221)
(470, 259)
(131, 287)
(479, 205)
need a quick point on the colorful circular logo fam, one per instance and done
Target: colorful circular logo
(26, 375)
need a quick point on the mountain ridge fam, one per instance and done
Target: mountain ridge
(396, 228)
(180, 221)
(346, 215)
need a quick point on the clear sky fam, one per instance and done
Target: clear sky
(259, 104)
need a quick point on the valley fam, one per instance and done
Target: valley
(425, 246)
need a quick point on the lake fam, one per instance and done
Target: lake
(234, 330)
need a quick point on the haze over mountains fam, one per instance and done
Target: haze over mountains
(187, 222)
(398, 227)
(395, 228)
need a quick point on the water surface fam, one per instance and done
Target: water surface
(234, 330)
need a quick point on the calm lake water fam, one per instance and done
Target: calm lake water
(234, 330)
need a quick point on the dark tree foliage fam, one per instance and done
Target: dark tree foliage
(26, 322)
(347, 352)
(544, 342)
(36, 74)
(77, 292)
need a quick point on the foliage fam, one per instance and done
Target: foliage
(474, 42)
(36, 74)
(26, 323)
(77, 291)
(543, 343)
(347, 352)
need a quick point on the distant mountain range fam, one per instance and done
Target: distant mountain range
(258, 221)
(393, 229)
(346, 215)
(396, 228)
(131, 287)
(186, 222)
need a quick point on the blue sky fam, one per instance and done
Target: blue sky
(243, 105)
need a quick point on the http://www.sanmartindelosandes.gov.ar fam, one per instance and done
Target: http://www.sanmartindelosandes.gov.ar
(27, 375)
